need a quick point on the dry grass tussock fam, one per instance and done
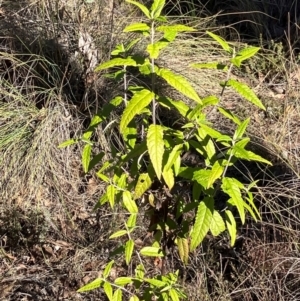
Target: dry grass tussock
(51, 240)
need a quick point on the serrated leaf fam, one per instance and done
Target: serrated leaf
(154, 49)
(155, 282)
(175, 28)
(108, 268)
(210, 131)
(174, 154)
(143, 184)
(202, 222)
(187, 172)
(246, 92)
(91, 286)
(173, 294)
(202, 176)
(134, 298)
(177, 165)
(108, 290)
(156, 8)
(138, 102)
(180, 106)
(123, 281)
(117, 62)
(137, 27)
(86, 157)
(217, 224)
(229, 115)
(102, 115)
(111, 193)
(140, 271)
(128, 250)
(68, 143)
(215, 174)
(179, 83)
(241, 153)
(117, 295)
(118, 234)
(131, 222)
(213, 65)
(151, 251)
(130, 134)
(142, 7)
(129, 203)
(183, 249)
(221, 41)
(155, 145)
(246, 53)
(231, 226)
(233, 188)
(241, 129)
(168, 177)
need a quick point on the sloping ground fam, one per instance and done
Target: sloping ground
(51, 240)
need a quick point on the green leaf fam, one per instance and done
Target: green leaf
(244, 54)
(155, 145)
(129, 203)
(102, 115)
(177, 165)
(130, 134)
(131, 222)
(175, 28)
(156, 8)
(174, 154)
(180, 106)
(138, 102)
(241, 153)
(96, 159)
(137, 27)
(117, 62)
(108, 290)
(136, 152)
(202, 176)
(68, 143)
(134, 298)
(128, 250)
(108, 268)
(155, 282)
(210, 131)
(168, 177)
(179, 83)
(183, 249)
(154, 49)
(241, 129)
(118, 293)
(111, 193)
(217, 224)
(231, 226)
(221, 41)
(86, 157)
(202, 222)
(151, 251)
(173, 294)
(232, 187)
(246, 92)
(143, 184)
(121, 281)
(142, 7)
(215, 174)
(140, 271)
(213, 65)
(229, 115)
(91, 286)
(118, 234)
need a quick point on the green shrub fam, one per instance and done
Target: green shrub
(153, 156)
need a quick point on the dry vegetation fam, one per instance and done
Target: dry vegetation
(51, 240)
